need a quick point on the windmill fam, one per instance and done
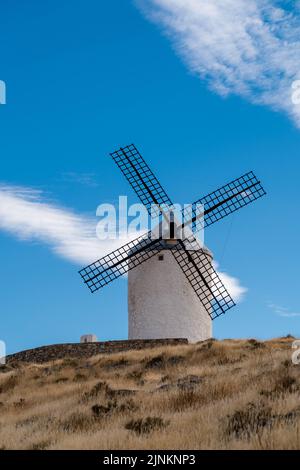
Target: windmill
(173, 288)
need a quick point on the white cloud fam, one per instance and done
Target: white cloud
(232, 284)
(25, 214)
(283, 311)
(249, 48)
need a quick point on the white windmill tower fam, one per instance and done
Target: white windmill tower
(173, 289)
(163, 304)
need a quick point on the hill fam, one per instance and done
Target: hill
(232, 394)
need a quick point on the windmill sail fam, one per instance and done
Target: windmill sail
(205, 281)
(225, 200)
(141, 178)
(118, 262)
(196, 263)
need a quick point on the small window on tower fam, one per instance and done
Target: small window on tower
(160, 257)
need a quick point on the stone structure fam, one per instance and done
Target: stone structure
(88, 338)
(85, 350)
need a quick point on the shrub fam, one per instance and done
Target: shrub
(116, 364)
(101, 410)
(156, 362)
(100, 387)
(285, 383)
(208, 344)
(9, 384)
(40, 445)
(77, 422)
(146, 425)
(254, 344)
(135, 375)
(162, 361)
(20, 403)
(128, 406)
(60, 380)
(113, 407)
(121, 392)
(79, 377)
(251, 419)
(186, 398)
(189, 382)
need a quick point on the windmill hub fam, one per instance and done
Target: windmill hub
(173, 289)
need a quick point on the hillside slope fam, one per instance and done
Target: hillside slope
(213, 395)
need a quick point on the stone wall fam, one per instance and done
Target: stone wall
(85, 350)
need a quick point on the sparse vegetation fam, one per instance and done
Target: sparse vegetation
(251, 419)
(213, 395)
(146, 425)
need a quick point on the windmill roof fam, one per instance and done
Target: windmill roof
(168, 245)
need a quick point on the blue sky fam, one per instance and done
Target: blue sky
(84, 78)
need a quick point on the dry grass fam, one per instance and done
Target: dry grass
(213, 395)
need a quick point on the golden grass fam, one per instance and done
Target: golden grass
(232, 394)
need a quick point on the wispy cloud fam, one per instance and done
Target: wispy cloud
(283, 311)
(84, 179)
(248, 48)
(26, 214)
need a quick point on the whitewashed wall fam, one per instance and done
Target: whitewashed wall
(162, 303)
